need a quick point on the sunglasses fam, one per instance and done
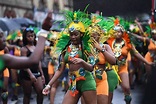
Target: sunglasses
(29, 29)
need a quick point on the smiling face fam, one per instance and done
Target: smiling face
(75, 37)
(2, 41)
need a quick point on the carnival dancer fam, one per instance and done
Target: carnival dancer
(121, 45)
(103, 54)
(112, 75)
(75, 52)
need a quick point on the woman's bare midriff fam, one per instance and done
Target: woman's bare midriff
(74, 67)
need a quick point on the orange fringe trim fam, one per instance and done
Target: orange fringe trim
(74, 93)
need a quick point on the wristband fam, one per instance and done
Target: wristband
(48, 86)
(103, 50)
(43, 33)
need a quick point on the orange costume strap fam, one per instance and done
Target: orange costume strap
(101, 59)
(2, 52)
(17, 51)
(152, 45)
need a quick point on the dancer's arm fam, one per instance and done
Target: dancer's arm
(25, 62)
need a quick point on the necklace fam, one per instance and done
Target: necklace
(117, 48)
(73, 51)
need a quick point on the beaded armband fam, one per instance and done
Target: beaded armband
(43, 33)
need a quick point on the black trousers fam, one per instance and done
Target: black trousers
(45, 72)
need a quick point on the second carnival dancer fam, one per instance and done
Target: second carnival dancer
(103, 54)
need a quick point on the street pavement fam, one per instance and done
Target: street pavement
(117, 99)
(136, 94)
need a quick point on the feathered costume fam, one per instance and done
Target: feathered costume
(102, 26)
(151, 55)
(76, 21)
(121, 49)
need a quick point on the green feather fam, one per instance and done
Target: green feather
(14, 35)
(81, 17)
(148, 31)
(36, 30)
(1, 64)
(62, 42)
(86, 43)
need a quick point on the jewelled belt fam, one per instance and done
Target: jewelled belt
(98, 72)
(74, 77)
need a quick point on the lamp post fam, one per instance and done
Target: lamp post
(153, 10)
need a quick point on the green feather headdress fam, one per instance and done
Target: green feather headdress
(74, 20)
(115, 23)
(148, 31)
(15, 35)
(102, 26)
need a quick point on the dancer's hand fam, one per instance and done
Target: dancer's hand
(47, 23)
(96, 44)
(76, 60)
(46, 90)
(151, 63)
